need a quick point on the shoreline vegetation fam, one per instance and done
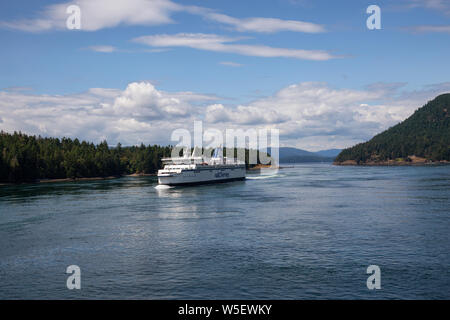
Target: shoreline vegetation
(396, 162)
(35, 159)
(422, 139)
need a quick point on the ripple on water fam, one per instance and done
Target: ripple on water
(309, 231)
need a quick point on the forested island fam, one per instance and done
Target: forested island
(422, 138)
(25, 158)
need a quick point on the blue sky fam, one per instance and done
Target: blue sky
(350, 82)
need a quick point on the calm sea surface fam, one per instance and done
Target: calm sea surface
(309, 231)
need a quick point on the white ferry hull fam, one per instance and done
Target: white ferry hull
(202, 176)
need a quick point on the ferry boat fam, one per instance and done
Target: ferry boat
(190, 170)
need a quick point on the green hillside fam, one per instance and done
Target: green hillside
(425, 134)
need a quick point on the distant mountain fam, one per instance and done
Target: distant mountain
(294, 155)
(423, 137)
(291, 152)
(330, 153)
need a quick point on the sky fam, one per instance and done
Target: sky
(138, 69)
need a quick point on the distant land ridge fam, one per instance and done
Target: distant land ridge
(294, 155)
(422, 138)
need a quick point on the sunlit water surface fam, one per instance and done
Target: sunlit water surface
(309, 231)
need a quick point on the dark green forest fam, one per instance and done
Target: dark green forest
(27, 158)
(30, 158)
(425, 134)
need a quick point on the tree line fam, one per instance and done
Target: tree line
(30, 158)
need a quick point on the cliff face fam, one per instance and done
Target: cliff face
(422, 138)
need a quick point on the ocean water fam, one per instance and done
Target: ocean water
(307, 232)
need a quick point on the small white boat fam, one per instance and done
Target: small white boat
(200, 170)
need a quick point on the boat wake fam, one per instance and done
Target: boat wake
(163, 187)
(264, 177)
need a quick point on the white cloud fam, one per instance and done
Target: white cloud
(143, 101)
(265, 25)
(104, 49)
(242, 115)
(439, 5)
(314, 116)
(140, 113)
(430, 29)
(193, 40)
(310, 115)
(213, 42)
(230, 64)
(100, 14)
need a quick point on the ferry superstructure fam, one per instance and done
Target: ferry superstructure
(200, 170)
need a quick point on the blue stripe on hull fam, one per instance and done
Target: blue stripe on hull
(205, 182)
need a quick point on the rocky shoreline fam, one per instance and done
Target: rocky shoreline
(263, 166)
(141, 175)
(410, 161)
